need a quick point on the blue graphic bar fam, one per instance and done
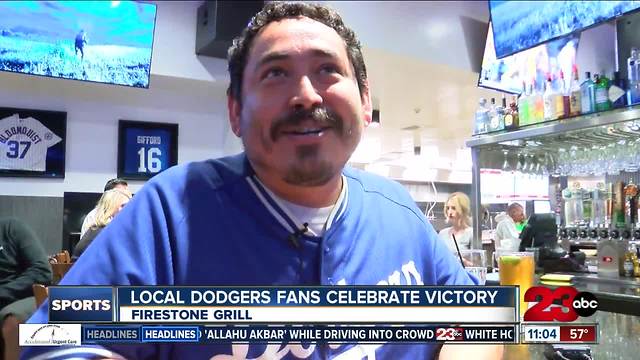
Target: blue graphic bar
(81, 304)
(98, 334)
(163, 334)
(478, 296)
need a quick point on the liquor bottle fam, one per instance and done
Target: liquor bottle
(608, 219)
(575, 103)
(636, 263)
(598, 205)
(632, 69)
(493, 116)
(630, 203)
(512, 115)
(629, 260)
(538, 100)
(587, 206)
(587, 96)
(562, 99)
(502, 111)
(549, 98)
(558, 89)
(523, 107)
(618, 203)
(617, 93)
(633, 66)
(482, 118)
(602, 94)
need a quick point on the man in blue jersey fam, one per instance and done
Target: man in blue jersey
(286, 211)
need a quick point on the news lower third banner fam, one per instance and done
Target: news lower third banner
(100, 334)
(285, 305)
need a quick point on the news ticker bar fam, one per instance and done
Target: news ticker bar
(560, 333)
(98, 334)
(284, 305)
(267, 334)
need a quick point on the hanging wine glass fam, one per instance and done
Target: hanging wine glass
(630, 151)
(600, 167)
(505, 165)
(546, 165)
(532, 164)
(562, 162)
(520, 166)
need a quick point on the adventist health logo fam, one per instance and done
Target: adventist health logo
(50, 334)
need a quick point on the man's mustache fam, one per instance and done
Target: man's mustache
(320, 115)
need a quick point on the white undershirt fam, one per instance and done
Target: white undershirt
(316, 218)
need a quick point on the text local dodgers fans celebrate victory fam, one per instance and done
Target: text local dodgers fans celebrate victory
(286, 211)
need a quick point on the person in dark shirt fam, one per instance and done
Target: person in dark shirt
(23, 262)
(81, 41)
(109, 205)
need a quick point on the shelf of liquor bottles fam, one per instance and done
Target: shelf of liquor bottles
(594, 123)
(603, 145)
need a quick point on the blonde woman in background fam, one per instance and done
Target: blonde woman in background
(109, 205)
(457, 211)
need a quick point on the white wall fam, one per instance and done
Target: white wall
(93, 111)
(184, 89)
(175, 43)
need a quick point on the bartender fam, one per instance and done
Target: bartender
(507, 236)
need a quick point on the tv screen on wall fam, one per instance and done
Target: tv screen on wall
(508, 73)
(519, 25)
(99, 41)
(32, 142)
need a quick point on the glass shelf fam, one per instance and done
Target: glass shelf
(583, 122)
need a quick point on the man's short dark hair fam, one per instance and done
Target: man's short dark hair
(111, 184)
(513, 207)
(276, 11)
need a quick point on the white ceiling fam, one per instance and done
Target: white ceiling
(421, 57)
(432, 31)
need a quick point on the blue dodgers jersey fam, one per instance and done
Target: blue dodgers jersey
(210, 223)
(147, 151)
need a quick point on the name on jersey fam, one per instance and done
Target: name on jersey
(20, 130)
(149, 140)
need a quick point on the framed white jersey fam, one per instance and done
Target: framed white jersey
(32, 142)
(146, 149)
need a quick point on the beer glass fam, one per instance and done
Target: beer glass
(517, 268)
(476, 263)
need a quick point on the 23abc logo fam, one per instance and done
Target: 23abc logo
(449, 334)
(573, 303)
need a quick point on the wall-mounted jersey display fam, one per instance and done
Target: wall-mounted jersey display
(146, 149)
(32, 142)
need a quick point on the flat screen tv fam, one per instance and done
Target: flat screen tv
(32, 142)
(99, 41)
(519, 25)
(508, 73)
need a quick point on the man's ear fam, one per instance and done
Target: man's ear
(367, 107)
(234, 108)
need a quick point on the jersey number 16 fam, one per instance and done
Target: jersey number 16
(151, 162)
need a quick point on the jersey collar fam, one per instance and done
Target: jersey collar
(282, 214)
